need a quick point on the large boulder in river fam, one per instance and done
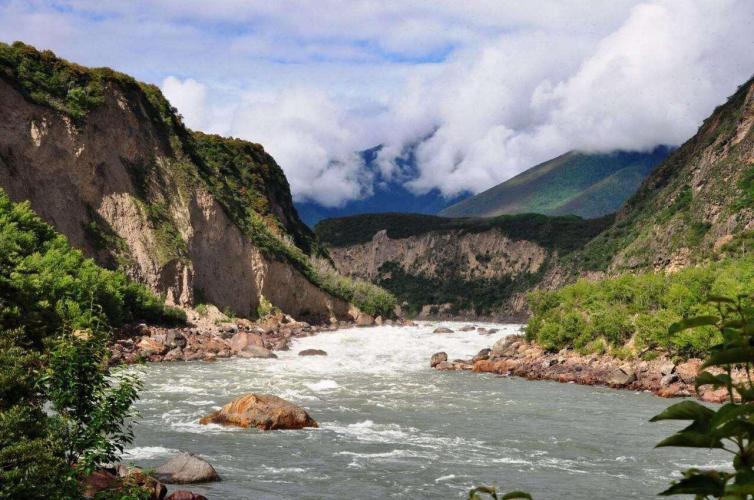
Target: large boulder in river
(263, 411)
(186, 468)
(312, 352)
(437, 358)
(240, 340)
(442, 329)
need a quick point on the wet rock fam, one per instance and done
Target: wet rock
(442, 329)
(378, 321)
(185, 495)
(241, 340)
(445, 365)
(505, 346)
(621, 376)
(483, 354)
(437, 358)
(263, 411)
(669, 379)
(255, 351)
(364, 320)
(312, 352)
(174, 355)
(467, 328)
(186, 468)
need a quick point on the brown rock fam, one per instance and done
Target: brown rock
(445, 365)
(185, 495)
(240, 340)
(364, 320)
(263, 411)
(149, 345)
(312, 352)
(442, 329)
(621, 376)
(186, 468)
(437, 358)
(483, 354)
(688, 370)
(99, 481)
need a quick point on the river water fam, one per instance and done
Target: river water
(391, 427)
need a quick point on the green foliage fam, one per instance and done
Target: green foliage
(46, 79)
(91, 404)
(727, 427)
(369, 298)
(482, 296)
(59, 403)
(265, 308)
(637, 308)
(564, 234)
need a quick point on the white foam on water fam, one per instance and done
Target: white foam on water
(322, 385)
(146, 452)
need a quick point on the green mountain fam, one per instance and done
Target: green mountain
(584, 184)
(108, 162)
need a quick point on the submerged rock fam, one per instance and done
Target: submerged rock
(438, 358)
(255, 351)
(442, 329)
(467, 328)
(185, 495)
(263, 411)
(186, 468)
(312, 352)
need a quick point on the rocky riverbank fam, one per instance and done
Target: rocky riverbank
(514, 356)
(212, 335)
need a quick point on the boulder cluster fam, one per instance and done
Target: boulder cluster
(513, 355)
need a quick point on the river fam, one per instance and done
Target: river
(391, 427)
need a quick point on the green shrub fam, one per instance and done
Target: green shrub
(637, 308)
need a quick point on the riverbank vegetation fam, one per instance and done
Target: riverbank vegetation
(62, 411)
(630, 315)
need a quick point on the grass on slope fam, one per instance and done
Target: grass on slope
(629, 315)
(568, 184)
(565, 233)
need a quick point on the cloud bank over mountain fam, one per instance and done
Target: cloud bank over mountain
(481, 89)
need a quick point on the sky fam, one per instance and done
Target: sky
(480, 89)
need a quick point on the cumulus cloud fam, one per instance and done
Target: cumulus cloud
(478, 91)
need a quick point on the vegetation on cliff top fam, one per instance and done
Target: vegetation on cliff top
(62, 412)
(564, 234)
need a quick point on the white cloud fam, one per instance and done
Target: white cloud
(486, 88)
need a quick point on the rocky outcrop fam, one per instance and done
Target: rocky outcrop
(514, 356)
(186, 468)
(263, 411)
(130, 186)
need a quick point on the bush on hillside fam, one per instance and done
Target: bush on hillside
(636, 309)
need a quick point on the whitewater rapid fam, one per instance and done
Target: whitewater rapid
(391, 427)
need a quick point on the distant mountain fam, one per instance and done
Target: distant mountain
(389, 195)
(585, 184)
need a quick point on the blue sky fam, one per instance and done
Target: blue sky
(486, 88)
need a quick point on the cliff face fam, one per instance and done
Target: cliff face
(698, 205)
(458, 267)
(197, 218)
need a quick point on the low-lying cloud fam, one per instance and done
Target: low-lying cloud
(479, 90)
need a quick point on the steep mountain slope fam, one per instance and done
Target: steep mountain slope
(696, 206)
(583, 184)
(457, 267)
(389, 195)
(108, 162)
